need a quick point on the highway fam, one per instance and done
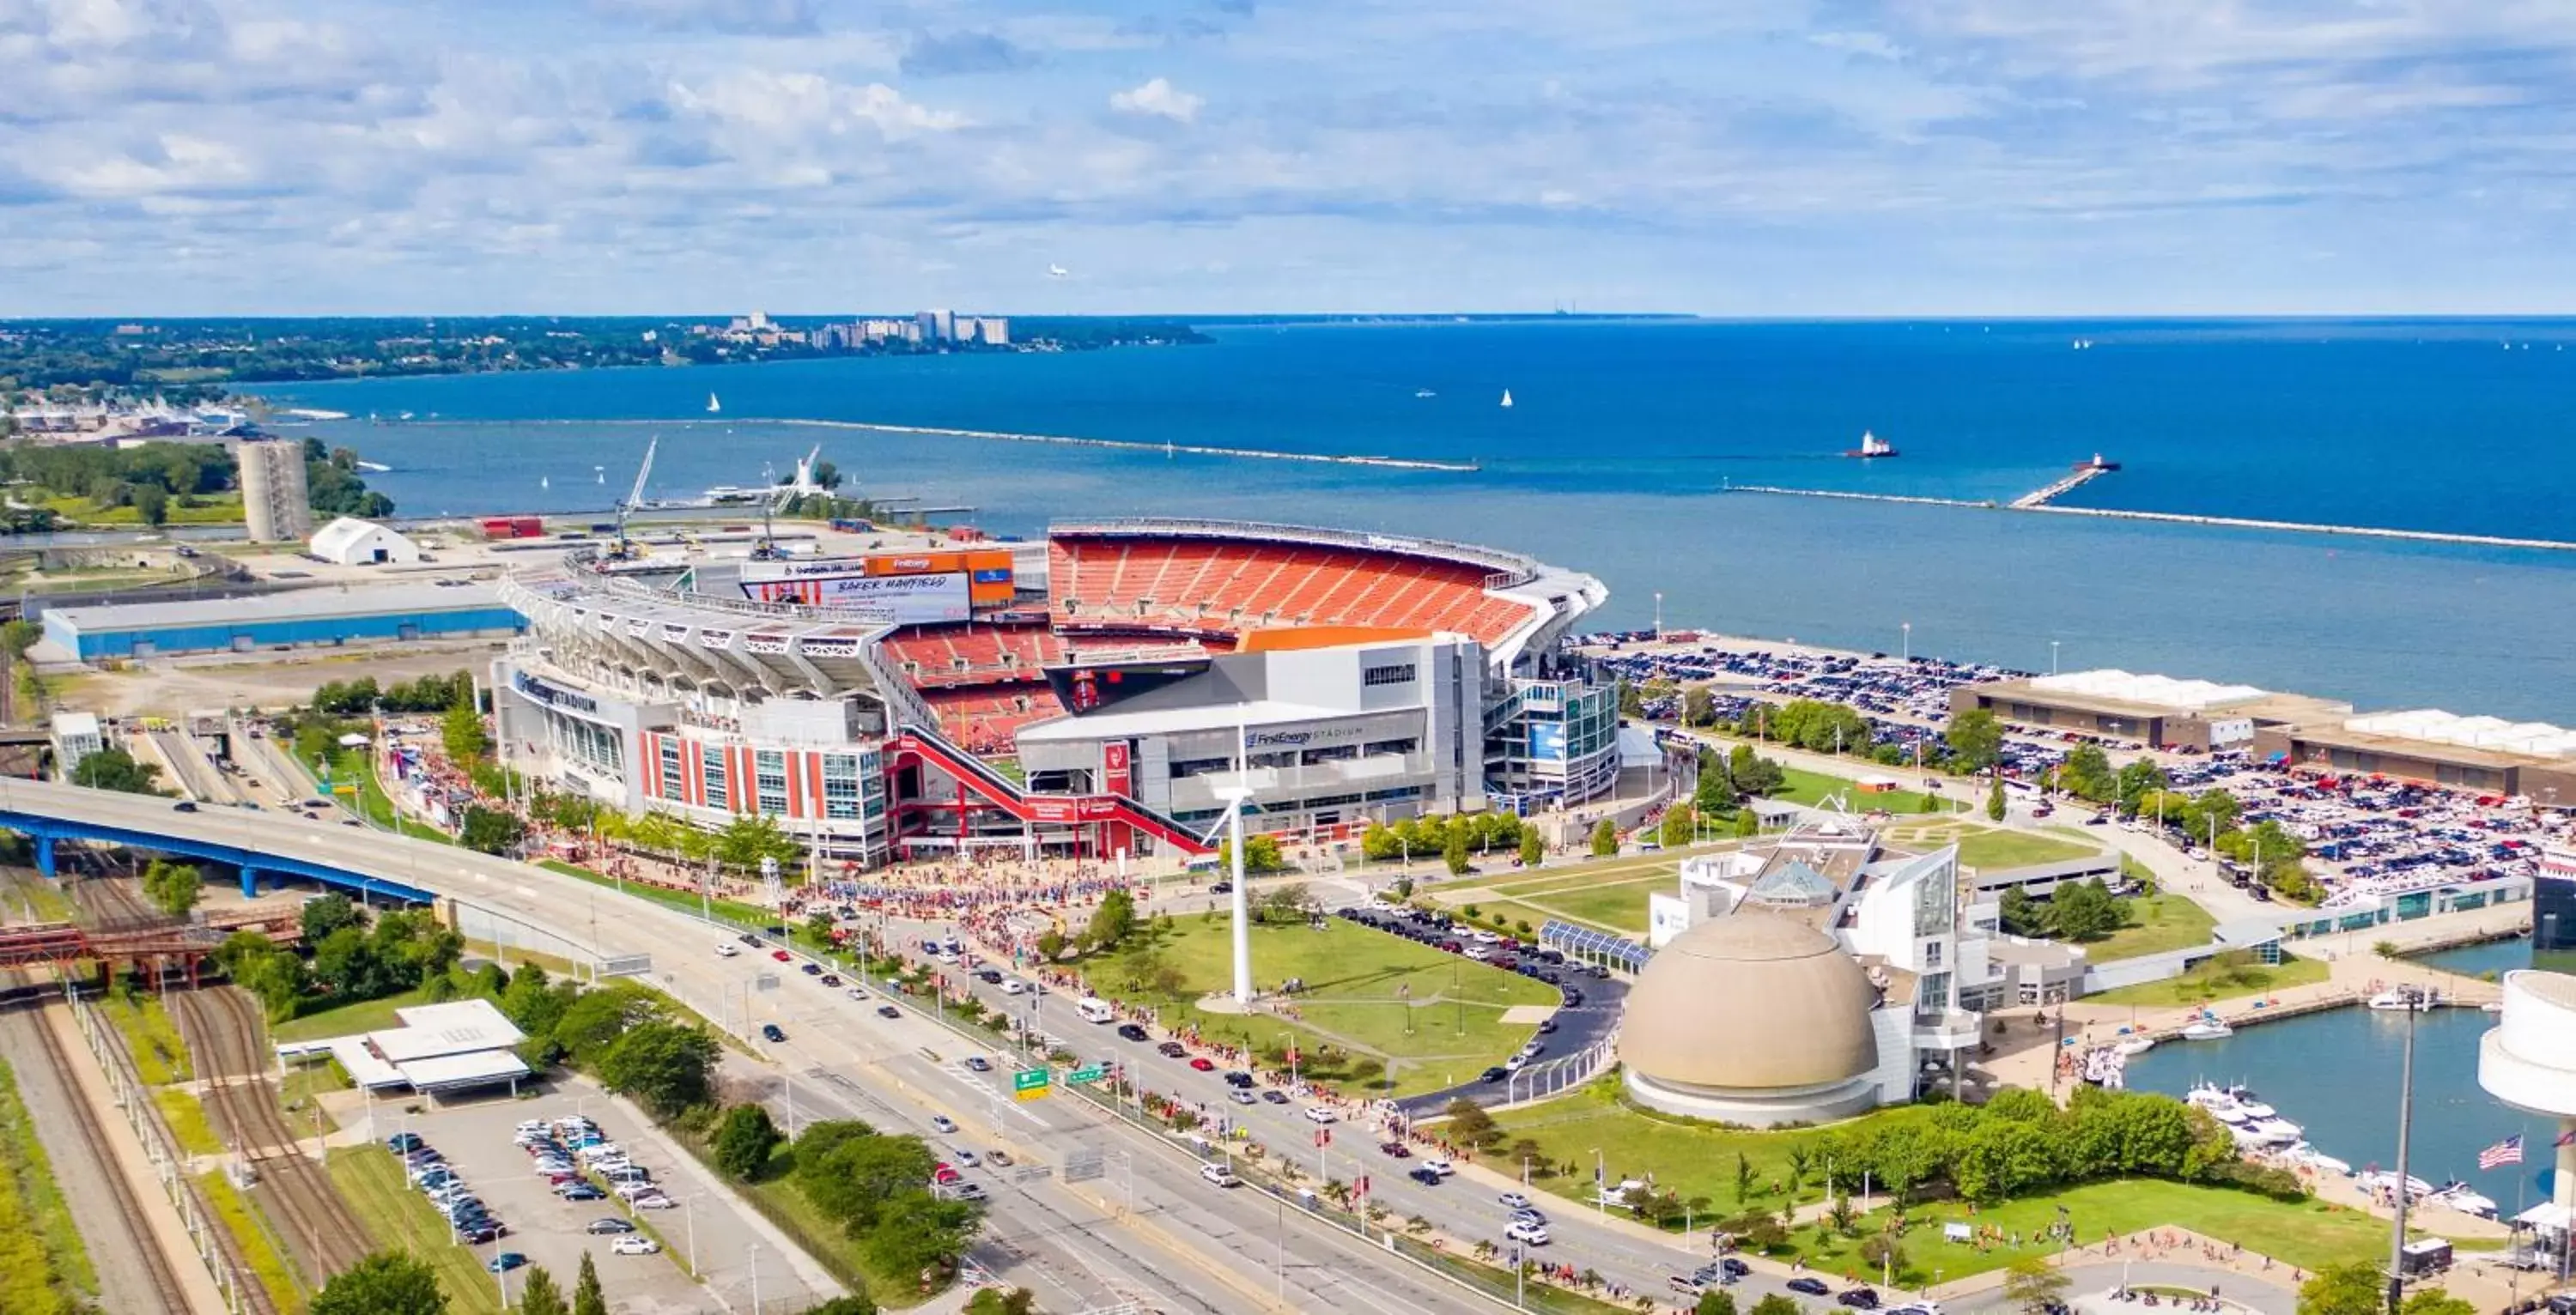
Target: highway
(1187, 1246)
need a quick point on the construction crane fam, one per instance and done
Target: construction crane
(623, 549)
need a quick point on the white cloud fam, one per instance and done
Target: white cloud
(1158, 97)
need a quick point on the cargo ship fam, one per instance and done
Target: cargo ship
(1872, 447)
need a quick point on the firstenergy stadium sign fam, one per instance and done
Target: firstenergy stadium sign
(913, 599)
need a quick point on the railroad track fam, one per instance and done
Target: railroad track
(224, 1032)
(86, 1125)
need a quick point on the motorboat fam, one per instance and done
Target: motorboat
(2398, 1001)
(2207, 1029)
(2136, 1045)
(2214, 1098)
(2252, 1104)
(2306, 1154)
(2380, 1180)
(2466, 1199)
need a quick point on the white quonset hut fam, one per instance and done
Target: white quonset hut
(2529, 1062)
(349, 541)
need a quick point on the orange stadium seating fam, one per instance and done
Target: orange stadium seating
(1215, 587)
(983, 721)
(945, 657)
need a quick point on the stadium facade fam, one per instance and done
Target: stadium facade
(1359, 677)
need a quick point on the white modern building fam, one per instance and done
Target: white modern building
(2528, 1061)
(349, 541)
(76, 736)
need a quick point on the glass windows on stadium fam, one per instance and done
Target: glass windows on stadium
(842, 797)
(711, 759)
(1187, 767)
(675, 785)
(598, 747)
(1403, 746)
(1401, 673)
(1331, 753)
(769, 778)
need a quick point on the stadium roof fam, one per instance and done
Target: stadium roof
(2160, 691)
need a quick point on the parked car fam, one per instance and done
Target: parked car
(635, 1246)
(1808, 1284)
(505, 1262)
(607, 1226)
(772, 1032)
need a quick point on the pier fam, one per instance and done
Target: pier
(2036, 501)
(2058, 488)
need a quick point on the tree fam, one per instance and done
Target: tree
(1453, 851)
(1715, 1301)
(1753, 774)
(1290, 903)
(461, 733)
(859, 1304)
(540, 1296)
(1679, 827)
(2434, 1301)
(325, 914)
(2085, 911)
(744, 1139)
(1113, 922)
(1051, 945)
(666, 1066)
(1699, 707)
(595, 1019)
(1470, 1124)
(18, 635)
(2033, 1286)
(115, 769)
(917, 1231)
(1776, 1304)
(2349, 1289)
(2086, 773)
(172, 887)
(994, 1301)
(152, 503)
(2136, 781)
(1995, 801)
(1260, 854)
(1975, 739)
(1533, 848)
(586, 1297)
(746, 841)
(1605, 839)
(384, 1283)
(489, 830)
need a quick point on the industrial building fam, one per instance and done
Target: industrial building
(276, 508)
(302, 618)
(349, 541)
(76, 736)
(2486, 754)
(439, 1049)
(2152, 710)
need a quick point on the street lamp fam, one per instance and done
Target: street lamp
(1600, 1184)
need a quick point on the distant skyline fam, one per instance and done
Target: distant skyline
(1748, 158)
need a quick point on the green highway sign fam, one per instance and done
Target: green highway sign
(1087, 1073)
(1029, 1083)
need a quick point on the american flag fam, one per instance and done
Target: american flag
(2508, 1151)
(2567, 1138)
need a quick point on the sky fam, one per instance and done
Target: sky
(1720, 157)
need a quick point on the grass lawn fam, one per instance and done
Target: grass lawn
(2209, 981)
(267, 1264)
(159, 1055)
(1800, 786)
(1437, 1017)
(342, 1020)
(358, 768)
(370, 1180)
(1619, 907)
(686, 901)
(777, 1199)
(42, 899)
(32, 1208)
(306, 1081)
(187, 1120)
(1699, 1162)
(1989, 849)
(2157, 923)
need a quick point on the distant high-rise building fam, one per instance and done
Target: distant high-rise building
(937, 325)
(996, 331)
(275, 506)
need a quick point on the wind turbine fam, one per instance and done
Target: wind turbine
(1236, 793)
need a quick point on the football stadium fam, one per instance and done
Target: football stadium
(894, 703)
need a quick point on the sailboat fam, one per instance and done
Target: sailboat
(1507, 397)
(545, 482)
(714, 407)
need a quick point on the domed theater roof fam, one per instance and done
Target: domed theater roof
(1750, 1001)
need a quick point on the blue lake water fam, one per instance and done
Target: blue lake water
(1621, 435)
(2336, 1074)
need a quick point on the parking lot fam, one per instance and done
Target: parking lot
(477, 1141)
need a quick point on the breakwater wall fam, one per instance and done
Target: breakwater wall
(1174, 449)
(2175, 518)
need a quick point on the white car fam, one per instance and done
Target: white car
(727, 949)
(1515, 1200)
(1321, 1115)
(1011, 986)
(964, 1158)
(942, 1123)
(635, 1244)
(656, 1201)
(1219, 1175)
(1440, 1165)
(1530, 1234)
(856, 993)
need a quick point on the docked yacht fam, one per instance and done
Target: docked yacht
(2466, 1199)
(2380, 1180)
(2207, 1029)
(2306, 1154)
(2136, 1045)
(2398, 1001)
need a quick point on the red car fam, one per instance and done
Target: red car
(1203, 1064)
(781, 955)
(1396, 1148)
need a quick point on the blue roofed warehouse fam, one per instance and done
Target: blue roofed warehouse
(300, 618)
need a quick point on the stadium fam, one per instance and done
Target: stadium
(894, 703)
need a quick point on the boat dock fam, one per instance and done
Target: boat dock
(2036, 501)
